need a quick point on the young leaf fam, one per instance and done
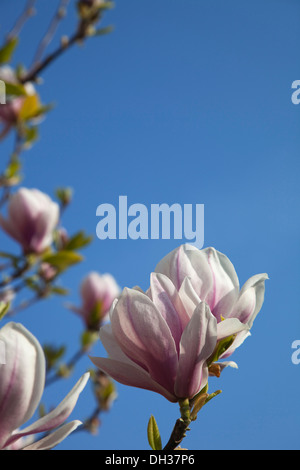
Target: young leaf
(63, 259)
(30, 108)
(7, 50)
(79, 240)
(154, 438)
(4, 308)
(221, 347)
(15, 89)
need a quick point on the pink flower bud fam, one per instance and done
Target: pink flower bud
(47, 272)
(62, 238)
(32, 217)
(97, 293)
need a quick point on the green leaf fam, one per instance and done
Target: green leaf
(32, 283)
(63, 259)
(53, 354)
(31, 135)
(88, 338)
(4, 308)
(221, 347)
(59, 290)
(15, 89)
(212, 395)
(103, 31)
(154, 438)
(13, 169)
(64, 195)
(30, 108)
(198, 404)
(7, 50)
(79, 240)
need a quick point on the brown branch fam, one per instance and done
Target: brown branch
(64, 46)
(178, 434)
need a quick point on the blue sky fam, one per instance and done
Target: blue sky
(185, 102)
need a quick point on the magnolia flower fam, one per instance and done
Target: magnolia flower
(212, 279)
(22, 380)
(155, 343)
(10, 112)
(97, 293)
(32, 217)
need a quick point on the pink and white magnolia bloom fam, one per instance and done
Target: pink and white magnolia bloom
(155, 343)
(22, 379)
(97, 293)
(213, 279)
(32, 218)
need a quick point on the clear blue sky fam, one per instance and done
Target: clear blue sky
(188, 102)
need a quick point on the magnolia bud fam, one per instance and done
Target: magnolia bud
(32, 218)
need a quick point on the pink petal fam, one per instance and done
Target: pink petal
(167, 301)
(44, 226)
(128, 373)
(240, 338)
(32, 217)
(97, 287)
(250, 299)
(22, 378)
(211, 274)
(189, 297)
(225, 288)
(53, 439)
(187, 261)
(230, 327)
(197, 344)
(56, 417)
(145, 337)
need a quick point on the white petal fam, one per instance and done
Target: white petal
(53, 439)
(22, 378)
(229, 327)
(197, 344)
(56, 417)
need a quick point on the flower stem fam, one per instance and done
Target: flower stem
(181, 426)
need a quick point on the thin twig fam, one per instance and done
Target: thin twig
(24, 305)
(64, 46)
(15, 275)
(47, 39)
(26, 14)
(89, 422)
(72, 362)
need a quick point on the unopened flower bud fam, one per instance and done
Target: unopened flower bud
(97, 293)
(47, 272)
(32, 218)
